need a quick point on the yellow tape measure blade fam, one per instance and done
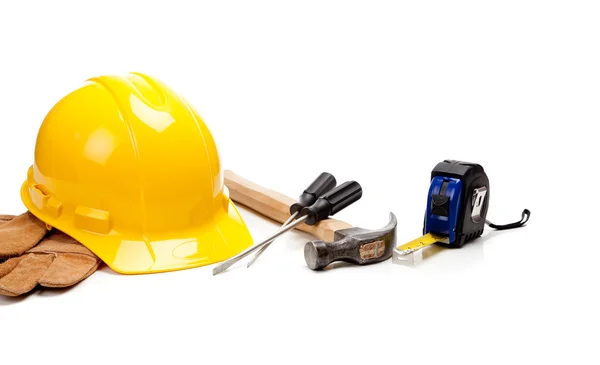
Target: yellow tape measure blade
(423, 241)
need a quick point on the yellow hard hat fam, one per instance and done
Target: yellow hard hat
(127, 167)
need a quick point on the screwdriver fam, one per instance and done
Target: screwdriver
(327, 205)
(322, 184)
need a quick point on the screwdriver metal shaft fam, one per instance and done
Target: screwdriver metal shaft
(256, 255)
(227, 264)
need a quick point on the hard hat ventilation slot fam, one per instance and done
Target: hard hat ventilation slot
(93, 220)
(44, 201)
(42, 190)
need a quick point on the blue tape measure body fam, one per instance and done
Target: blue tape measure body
(443, 214)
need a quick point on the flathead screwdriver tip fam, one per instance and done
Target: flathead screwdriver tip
(219, 269)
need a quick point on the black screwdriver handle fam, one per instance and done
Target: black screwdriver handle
(320, 186)
(332, 202)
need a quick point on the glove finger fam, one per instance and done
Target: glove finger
(68, 269)
(20, 234)
(73, 262)
(9, 265)
(59, 242)
(26, 275)
(6, 218)
(3, 219)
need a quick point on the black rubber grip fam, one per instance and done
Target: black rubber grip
(332, 202)
(320, 186)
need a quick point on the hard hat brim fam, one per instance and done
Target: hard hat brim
(225, 236)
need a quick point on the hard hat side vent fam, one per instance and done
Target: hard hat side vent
(92, 220)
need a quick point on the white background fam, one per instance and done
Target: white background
(374, 91)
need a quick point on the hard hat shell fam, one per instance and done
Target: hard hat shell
(128, 168)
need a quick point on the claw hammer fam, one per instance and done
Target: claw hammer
(344, 242)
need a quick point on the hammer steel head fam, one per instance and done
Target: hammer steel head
(355, 245)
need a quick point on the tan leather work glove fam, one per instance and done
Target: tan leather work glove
(19, 234)
(36, 256)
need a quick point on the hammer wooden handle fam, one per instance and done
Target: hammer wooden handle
(276, 206)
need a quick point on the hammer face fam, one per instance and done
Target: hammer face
(354, 245)
(316, 255)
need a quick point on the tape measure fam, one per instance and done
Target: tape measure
(457, 206)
